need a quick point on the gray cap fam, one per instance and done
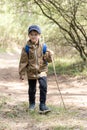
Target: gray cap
(34, 28)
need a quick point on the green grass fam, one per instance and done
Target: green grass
(4, 126)
(67, 66)
(3, 101)
(68, 128)
(2, 50)
(55, 120)
(58, 112)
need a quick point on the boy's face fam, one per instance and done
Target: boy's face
(34, 36)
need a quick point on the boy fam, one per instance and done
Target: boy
(34, 62)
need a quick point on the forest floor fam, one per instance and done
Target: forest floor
(14, 113)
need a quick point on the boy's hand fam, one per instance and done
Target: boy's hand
(52, 53)
(21, 77)
(48, 54)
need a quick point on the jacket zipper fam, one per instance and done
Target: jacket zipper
(36, 61)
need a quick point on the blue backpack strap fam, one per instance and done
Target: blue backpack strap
(27, 48)
(44, 48)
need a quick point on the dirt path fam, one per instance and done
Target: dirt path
(13, 92)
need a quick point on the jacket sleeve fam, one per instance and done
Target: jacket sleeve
(48, 56)
(23, 62)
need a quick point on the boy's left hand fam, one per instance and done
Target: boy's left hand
(51, 52)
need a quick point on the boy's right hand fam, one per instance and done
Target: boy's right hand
(21, 77)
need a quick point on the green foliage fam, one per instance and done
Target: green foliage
(16, 16)
(69, 67)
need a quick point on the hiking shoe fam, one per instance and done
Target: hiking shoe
(43, 109)
(32, 107)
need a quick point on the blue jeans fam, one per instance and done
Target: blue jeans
(32, 89)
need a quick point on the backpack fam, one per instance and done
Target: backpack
(27, 48)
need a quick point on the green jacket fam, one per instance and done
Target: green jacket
(35, 62)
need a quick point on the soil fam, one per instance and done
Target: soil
(73, 89)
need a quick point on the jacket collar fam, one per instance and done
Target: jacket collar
(32, 45)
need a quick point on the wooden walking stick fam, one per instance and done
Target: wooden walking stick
(57, 83)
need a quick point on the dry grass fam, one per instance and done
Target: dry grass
(16, 117)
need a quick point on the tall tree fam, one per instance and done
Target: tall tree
(69, 16)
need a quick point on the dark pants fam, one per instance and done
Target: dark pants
(32, 89)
